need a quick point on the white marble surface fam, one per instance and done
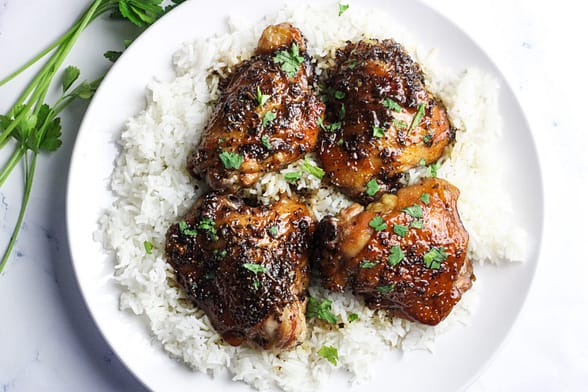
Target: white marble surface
(48, 341)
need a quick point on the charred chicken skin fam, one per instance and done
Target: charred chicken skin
(266, 117)
(405, 254)
(381, 118)
(246, 267)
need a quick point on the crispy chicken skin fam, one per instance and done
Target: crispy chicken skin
(358, 251)
(246, 267)
(389, 121)
(265, 116)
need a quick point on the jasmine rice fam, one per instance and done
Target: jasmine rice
(152, 190)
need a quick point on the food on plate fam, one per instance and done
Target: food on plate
(246, 267)
(266, 117)
(381, 120)
(406, 254)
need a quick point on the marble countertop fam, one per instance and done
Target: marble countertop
(48, 340)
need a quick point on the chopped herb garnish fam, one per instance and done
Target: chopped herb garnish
(339, 94)
(221, 140)
(399, 124)
(312, 169)
(367, 264)
(231, 160)
(427, 138)
(321, 310)
(343, 8)
(183, 225)
(351, 64)
(208, 225)
(256, 283)
(417, 117)
(351, 317)
(342, 112)
(290, 60)
(266, 143)
(261, 98)
(417, 224)
(425, 198)
(391, 104)
(377, 223)
(422, 162)
(415, 211)
(273, 231)
(253, 267)
(330, 353)
(386, 289)
(340, 142)
(377, 132)
(148, 247)
(330, 127)
(372, 187)
(396, 255)
(434, 257)
(292, 176)
(401, 230)
(433, 168)
(220, 253)
(267, 118)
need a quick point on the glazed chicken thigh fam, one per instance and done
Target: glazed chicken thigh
(405, 254)
(381, 118)
(246, 267)
(266, 116)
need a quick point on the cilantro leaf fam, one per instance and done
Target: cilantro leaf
(292, 176)
(266, 142)
(417, 117)
(367, 264)
(386, 289)
(434, 257)
(372, 187)
(425, 198)
(320, 310)
(415, 211)
(70, 75)
(351, 317)
(330, 353)
(396, 255)
(148, 247)
(312, 169)
(290, 60)
(391, 104)
(231, 160)
(183, 226)
(261, 98)
(342, 8)
(401, 230)
(377, 132)
(112, 55)
(433, 168)
(267, 118)
(255, 268)
(140, 12)
(377, 223)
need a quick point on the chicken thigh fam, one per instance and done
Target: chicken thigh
(266, 117)
(246, 267)
(381, 120)
(405, 254)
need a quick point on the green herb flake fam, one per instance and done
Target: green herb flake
(396, 255)
(351, 64)
(343, 8)
(372, 187)
(312, 169)
(112, 55)
(148, 247)
(330, 353)
(386, 289)
(267, 118)
(273, 231)
(415, 211)
(417, 224)
(261, 98)
(433, 168)
(290, 60)
(367, 264)
(377, 223)
(400, 230)
(417, 117)
(292, 176)
(255, 268)
(422, 162)
(391, 104)
(256, 283)
(328, 127)
(434, 257)
(183, 226)
(377, 132)
(320, 310)
(425, 198)
(231, 160)
(266, 142)
(351, 317)
(339, 94)
(70, 75)
(427, 138)
(208, 225)
(399, 124)
(340, 142)
(342, 112)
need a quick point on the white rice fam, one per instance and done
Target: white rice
(152, 190)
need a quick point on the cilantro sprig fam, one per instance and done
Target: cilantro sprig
(32, 125)
(320, 310)
(289, 60)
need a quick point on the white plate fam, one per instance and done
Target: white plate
(460, 354)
